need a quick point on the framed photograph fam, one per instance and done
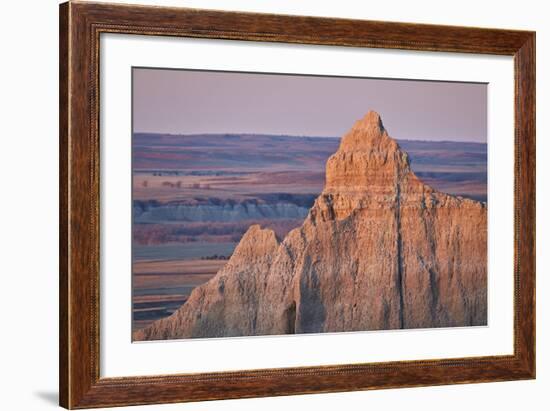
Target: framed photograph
(258, 205)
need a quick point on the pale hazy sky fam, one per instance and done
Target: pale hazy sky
(186, 102)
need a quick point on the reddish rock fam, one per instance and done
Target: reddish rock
(378, 250)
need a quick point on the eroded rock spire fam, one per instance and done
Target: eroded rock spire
(378, 250)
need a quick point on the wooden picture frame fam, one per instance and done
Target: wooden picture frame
(80, 27)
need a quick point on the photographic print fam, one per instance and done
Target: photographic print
(273, 204)
(235, 184)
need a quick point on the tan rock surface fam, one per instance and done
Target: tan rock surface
(378, 250)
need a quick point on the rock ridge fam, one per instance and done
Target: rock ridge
(379, 249)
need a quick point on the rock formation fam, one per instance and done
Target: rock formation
(224, 211)
(378, 250)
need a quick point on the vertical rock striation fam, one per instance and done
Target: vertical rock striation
(378, 250)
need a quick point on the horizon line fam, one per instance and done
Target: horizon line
(296, 136)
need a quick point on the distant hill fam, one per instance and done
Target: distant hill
(453, 167)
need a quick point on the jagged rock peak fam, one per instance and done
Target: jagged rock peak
(257, 241)
(366, 134)
(368, 159)
(370, 120)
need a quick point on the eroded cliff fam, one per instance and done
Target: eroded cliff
(378, 250)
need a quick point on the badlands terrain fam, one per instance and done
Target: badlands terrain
(370, 243)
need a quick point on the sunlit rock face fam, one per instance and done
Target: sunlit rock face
(378, 250)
